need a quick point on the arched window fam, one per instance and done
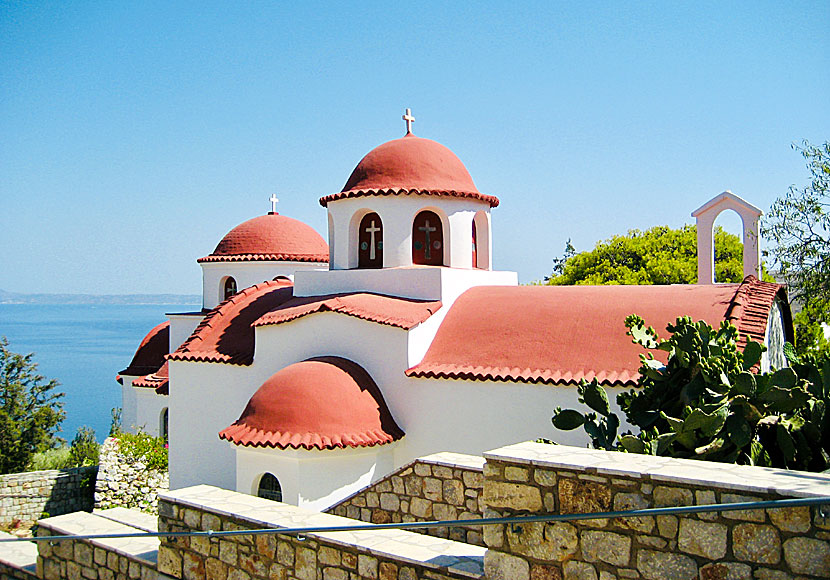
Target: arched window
(163, 423)
(230, 288)
(269, 488)
(427, 239)
(475, 246)
(370, 242)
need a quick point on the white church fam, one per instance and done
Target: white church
(314, 369)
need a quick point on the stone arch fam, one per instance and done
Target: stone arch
(268, 487)
(430, 241)
(481, 240)
(705, 217)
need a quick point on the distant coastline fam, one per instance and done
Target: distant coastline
(93, 299)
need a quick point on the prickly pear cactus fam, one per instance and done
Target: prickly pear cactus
(707, 402)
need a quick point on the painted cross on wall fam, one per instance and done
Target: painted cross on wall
(427, 240)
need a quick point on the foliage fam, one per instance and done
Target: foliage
(85, 448)
(30, 410)
(798, 230)
(706, 403)
(57, 458)
(115, 422)
(660, 255)
(151, 450)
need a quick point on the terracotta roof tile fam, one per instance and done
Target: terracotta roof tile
(400, 312)
(226, 334)
(321, 403)
(151, 352)
(562, 334)
(321, 258)
(491, 199)
(160, 380)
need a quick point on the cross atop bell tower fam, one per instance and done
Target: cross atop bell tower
(409, 120)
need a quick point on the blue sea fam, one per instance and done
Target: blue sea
(83, 347)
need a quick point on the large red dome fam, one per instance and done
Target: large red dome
(271, 237)
(410, 165)
(320, 403)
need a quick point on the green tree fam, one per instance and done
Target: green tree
(798, 230)
(30, 410)
(660, 255)
(707, 403)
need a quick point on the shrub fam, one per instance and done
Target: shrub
(84, 449)
(144, 447)
(57, 458)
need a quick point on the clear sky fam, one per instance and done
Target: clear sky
(134, 135)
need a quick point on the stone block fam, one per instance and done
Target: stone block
(794, 519)
(453, 492)
(169, 561)
(388, 571)
(442, 471)
(215, 569)
(433, 489)
(494, 535)
(423, 469)
(542, 572)
(442, 511)
(397, 485)
(769, 574)
(632, 501)
(744, 515)
(579, 571)
(349, 561)
(555, 542)
(83, 553)
(501, 566)
(390, 502)
(654, 565)
(667, 526)
(545, 477)
(582, 497)
(285, 553)
(515, 473)
(335, 574)
(706, 497)
(413, 485)
(420, 508)
(305, 567)
(367, 566)
(756, 543)
(237, 574)
(473, 479)
(193, 567)
(671, 496)
(492, 470)
(192, 519)
(808, 556)
(608, 547)
(328, 556)
(228, 552)
(513, 496)
(706, 539)
(726, 571)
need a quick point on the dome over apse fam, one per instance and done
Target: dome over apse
(320, 403)
(410, 165)
(271, 237)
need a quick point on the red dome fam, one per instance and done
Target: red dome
(410, 165)
(321, 403)
(271, 237)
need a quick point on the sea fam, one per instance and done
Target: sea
(84, 347)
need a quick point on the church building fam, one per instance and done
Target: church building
(314, 368)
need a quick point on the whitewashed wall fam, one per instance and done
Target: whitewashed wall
(246, 274)
(141, 408)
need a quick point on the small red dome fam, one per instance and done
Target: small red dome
(410, 165)
(271, 237)
(321, 403)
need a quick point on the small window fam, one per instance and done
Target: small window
(230, 287)
(370, 242)
(163, 427)
(269, 488)
(427, 239)
(475, 246)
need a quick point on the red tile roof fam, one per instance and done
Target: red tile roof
(320, 403)
(271, 237)
(407, 166)
(562, 334)
(151, 352)
(159, 380)
(400, 312)
(225, 335)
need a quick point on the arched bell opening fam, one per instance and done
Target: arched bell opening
(428, 246)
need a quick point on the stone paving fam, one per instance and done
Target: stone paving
(17, 555)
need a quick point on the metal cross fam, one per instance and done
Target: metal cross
(426, 229)
(273, 199)
(371, 231)
(409, 120)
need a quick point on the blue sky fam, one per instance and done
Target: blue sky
(134, 135)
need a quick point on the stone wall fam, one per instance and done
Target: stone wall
(442, 486)
(27, 496)
(356, 555)
(125, 481)
(533, 478)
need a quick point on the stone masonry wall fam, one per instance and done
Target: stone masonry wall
(125, 481)
(81, 560)
(443, 486)
(334, 556)
(532, 478)
(26, 496)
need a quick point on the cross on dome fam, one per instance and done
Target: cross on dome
(409, 120)
(273, 199)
